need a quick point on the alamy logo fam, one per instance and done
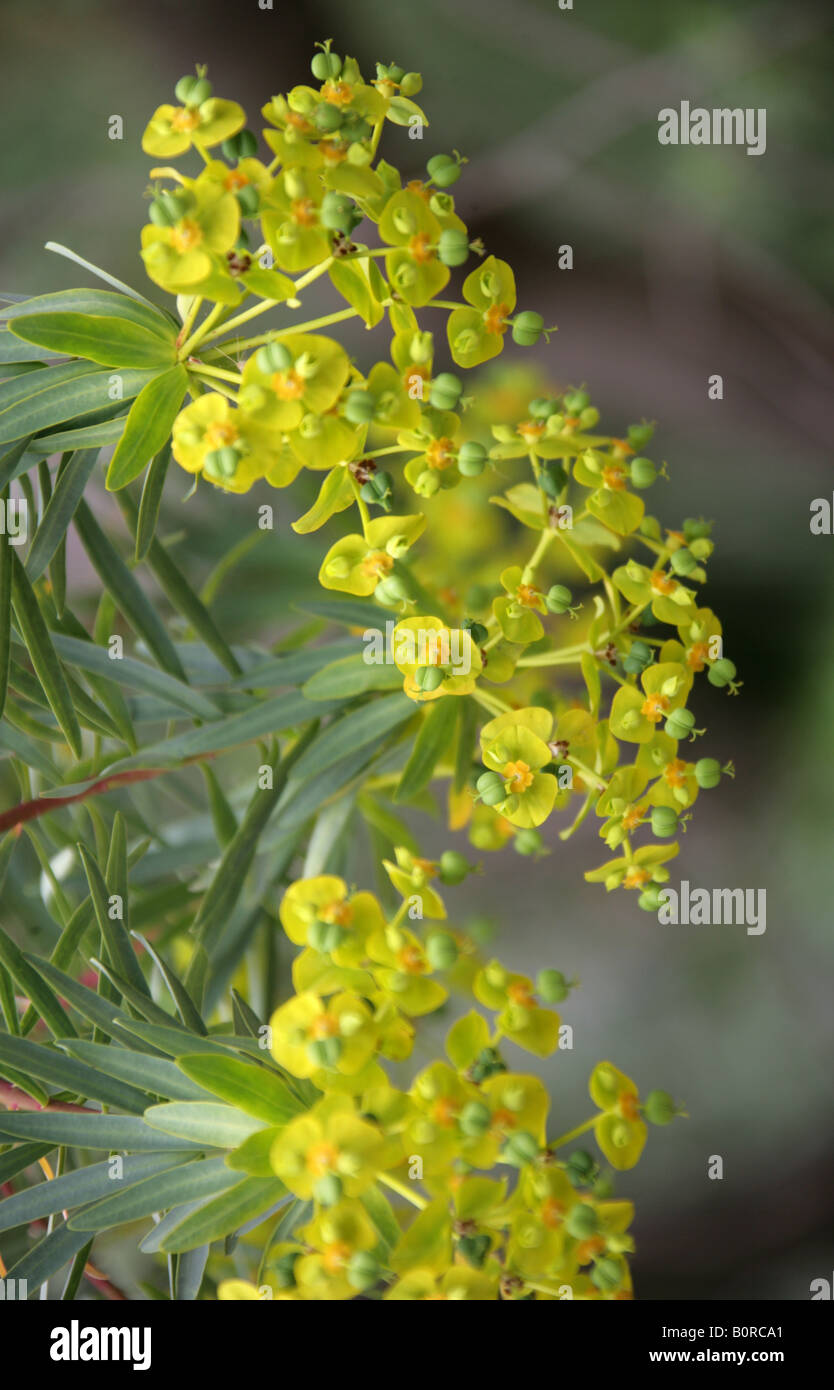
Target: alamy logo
(14, 519)
(76, 1343)
(423, 647)
(695, 125)
(698, 907)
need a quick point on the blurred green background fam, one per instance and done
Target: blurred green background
(687, 262)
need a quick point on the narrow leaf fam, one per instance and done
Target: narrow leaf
(60, 510)
(253, 1089)
(151, 501)
(148, 426)
(42, 654)
(433, 738)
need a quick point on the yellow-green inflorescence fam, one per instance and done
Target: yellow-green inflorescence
(417, 461)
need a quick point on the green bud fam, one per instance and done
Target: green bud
(325, 936)
(639, 435)
(410, 84)
(521, 1147)
(683, 561)
(241, 146)
(475, 1119)
(580, 1167)
(453, 246)
(696, 530)
(360, 407)
(588, 418)
(248, 200)
(707, 773)
(442, 950)
(639, 657)
(471, 459)
(392, 590)
(552, 986)
(558, 599)
(428, 678)
(721, 672)
(474, 1249)
(427, 483)
(184, 87)
(528, 327)
(542, 407)
(445, 391)
(664, 821)
(490, 787)
(223, 461)
(650, 526)
(576, 402)
(326, 66)
(552, 477)
(328, 1190)
(680, 723)
(582, 1221)
(325, 1052)
(454, 868)
(643, 472)
(363, 1271)
(649, 899)
(528, 842)
(327, 117)
(444, 170)
(659, 1108)
(476, 631)
(607, 1275)
(162, 214)
(273, 357)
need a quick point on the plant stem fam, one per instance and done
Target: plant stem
(573, 1133)
(400, 1187)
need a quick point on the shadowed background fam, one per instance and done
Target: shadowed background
(687, 262)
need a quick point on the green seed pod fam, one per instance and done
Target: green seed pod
(392, 590)
(362, 1271)
(580, 1167)
(650, 526)
(200, 92)
(327, 117)
(184, 88)
(542, 407)
(707, 773)
(475, 1119)
(223, 461)
(659, 1108)
(528, 327)
(552, 477)
(701, 548)
(521, 1148)
(639, 657)
(683, 561)
(474, 1249)
(161, 214)
(680, 723)
(360, 407)
(696, 530)
(249, 200)
(552, 986)
(326, 66)
(582, 1221)
(558, 599)
(325, 1052)
(410, 84)
(664, 821)
(721, 672)
(649, 900)
(576, 402)
(490, 787)
(453, 246)
(328, 1190)
(442, 950)
(607, 1275)
(427, 483)
(443, 169)
(472, 458)
(241, 146)
(476, 631)
(428, 678)
(339, 213)
(639, 436)
(454, 867)
(528, 842)
(643, 472)
(445, 392)
(273, 357)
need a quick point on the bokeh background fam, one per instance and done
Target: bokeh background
(687, 262)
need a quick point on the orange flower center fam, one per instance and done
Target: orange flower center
(335, 1256)
(552, 1212)
(288, 386)
(339, 93)
(322, 1158)
(519, 776)
(220, 435)
(629, 1106)
(631, 818)
(586, 1249)
(234, 180)
(613, 477)
(415, 186)
(675, 773)
(420, 248)
(444, 1111)
(411, 960)
(662, 583)
(376, 564)
(697, 655)
(526, 594)
(186, 118)
(520, 994)
(334, 151)
(299, 123)
(339, 912)
(428, 867)
(502, 1119)
(494, 319)
(439, 454)
(324, 1026)
(303, 212)
(654, 707)
(635, 878)
(530, 431)
(186, 235)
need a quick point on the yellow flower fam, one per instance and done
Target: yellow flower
(514, 748)
(356, 564)
(410, 876)
(434, 659)
(329, 1141)
(311, 1037)
(320, 913)
(620, 1130)
(174, 129)
(223, 444)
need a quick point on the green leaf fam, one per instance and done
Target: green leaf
(87, 1184)
(112, 342)
(156, 1075)
(99, 302)
(138, 301)
(150, 501)
(134, 675)
(247, 1199)
(191, 1268)
(382, 1215)
(351, 612)
(335, 494)
(113, 932)
(148, 426)
(60, 510)
(91, 436)
(173, 1041)
(253, 1155)
(42, 654)
(466, 1039)
(433, 738)
(351, 676)
(129, 597)
(182, 1000)
(354, 283)
(5, 607)
(203, 1122)
(34, 403)
(467, 738)
(15, 1160)
(91, 1131)
(12, 350)
(30, 983)
(205, 1177)
(252, 1089)
(49, 1255)
(14, 462)
(68, 1074)
(387, 822)
(355, 730)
